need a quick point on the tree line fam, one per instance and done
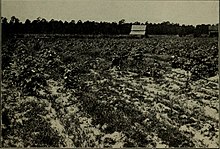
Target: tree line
(42, 26)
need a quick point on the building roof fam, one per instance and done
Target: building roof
(138, 30)
(138, 27)
(213, 28)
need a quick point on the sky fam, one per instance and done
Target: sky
(177, 11)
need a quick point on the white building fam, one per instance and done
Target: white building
(213, 30)
(138, 30)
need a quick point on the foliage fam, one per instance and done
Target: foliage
(107, 92)
(42, 26)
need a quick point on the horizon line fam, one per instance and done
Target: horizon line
(126, 22)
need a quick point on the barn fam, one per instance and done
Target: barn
(213, 31)
(138, 30)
